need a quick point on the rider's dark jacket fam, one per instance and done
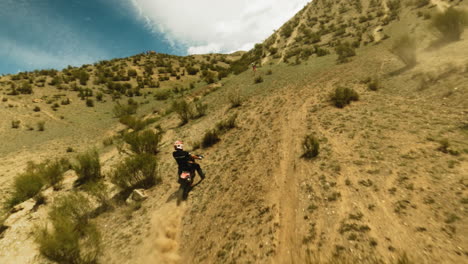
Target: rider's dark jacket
(182, 158)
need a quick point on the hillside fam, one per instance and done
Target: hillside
(389, 183)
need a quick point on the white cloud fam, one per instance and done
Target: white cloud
(217, 25)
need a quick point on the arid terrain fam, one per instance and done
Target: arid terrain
(389, 183)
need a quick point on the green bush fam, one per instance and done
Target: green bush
(343, 96)
(52, 171)
(99, 97)
(40, 125)
(73, 238)
(25, 186)
(373, 84)
(15, 123)
(89, 102)
(210, 138)
(226, 125)
(200, 109)
(137, 171)
(37, 109)
(344, 51)
(451, 23)
(25, 88)
(124, 110)
(258, 79)
(235, 99)
(135, 123)
(405, 48)
(162, 94)
(143, 142)
(183, 110)
(311, 147)
(88, 167)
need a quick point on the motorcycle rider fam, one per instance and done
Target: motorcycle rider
(185, 160)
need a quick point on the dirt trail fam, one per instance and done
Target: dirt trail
(162, 246)
(287, 181)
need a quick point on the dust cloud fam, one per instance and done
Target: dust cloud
(161, 245)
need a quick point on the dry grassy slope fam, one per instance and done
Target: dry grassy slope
(76, 125)
(379, 188)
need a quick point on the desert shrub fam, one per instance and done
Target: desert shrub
(132, 122)
(137, 171)
(311, 147)
(226, 125)
(162, 94)
(25, 88)
(200, 109)
(321, 52)
(258, 79)
(40, 125)
(88, 167)
(73, 238)
(123, 110)
(52, 171)
(15, 123)
(344, 51)
(132, 73)
(343, 96)
(25, 186)
(269, 72)
(405, 48)
(451, 23)
(373, 84)
(235, 99)
(143, 142)
(183, 110)
(65, 101)
(108, 141)
(37, 109)
(99, 97)
(192, 70)
(287, 30)
(89, 102)
(210, 138)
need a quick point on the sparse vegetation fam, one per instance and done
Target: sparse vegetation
(124, 110)
(15, 123)
(343, 96)
(138, 171)
(235, 99)
(344, 51)
(227, 124)
(373, 84)
(311, 147)
(40, 125)
(183, 110)
(88, 167)
(146, 141)
(73, 238)
(210, 138)
(258, 79)
(25, 186)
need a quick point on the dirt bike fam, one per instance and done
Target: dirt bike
(186, 182)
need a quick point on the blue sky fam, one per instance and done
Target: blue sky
(40, 34)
